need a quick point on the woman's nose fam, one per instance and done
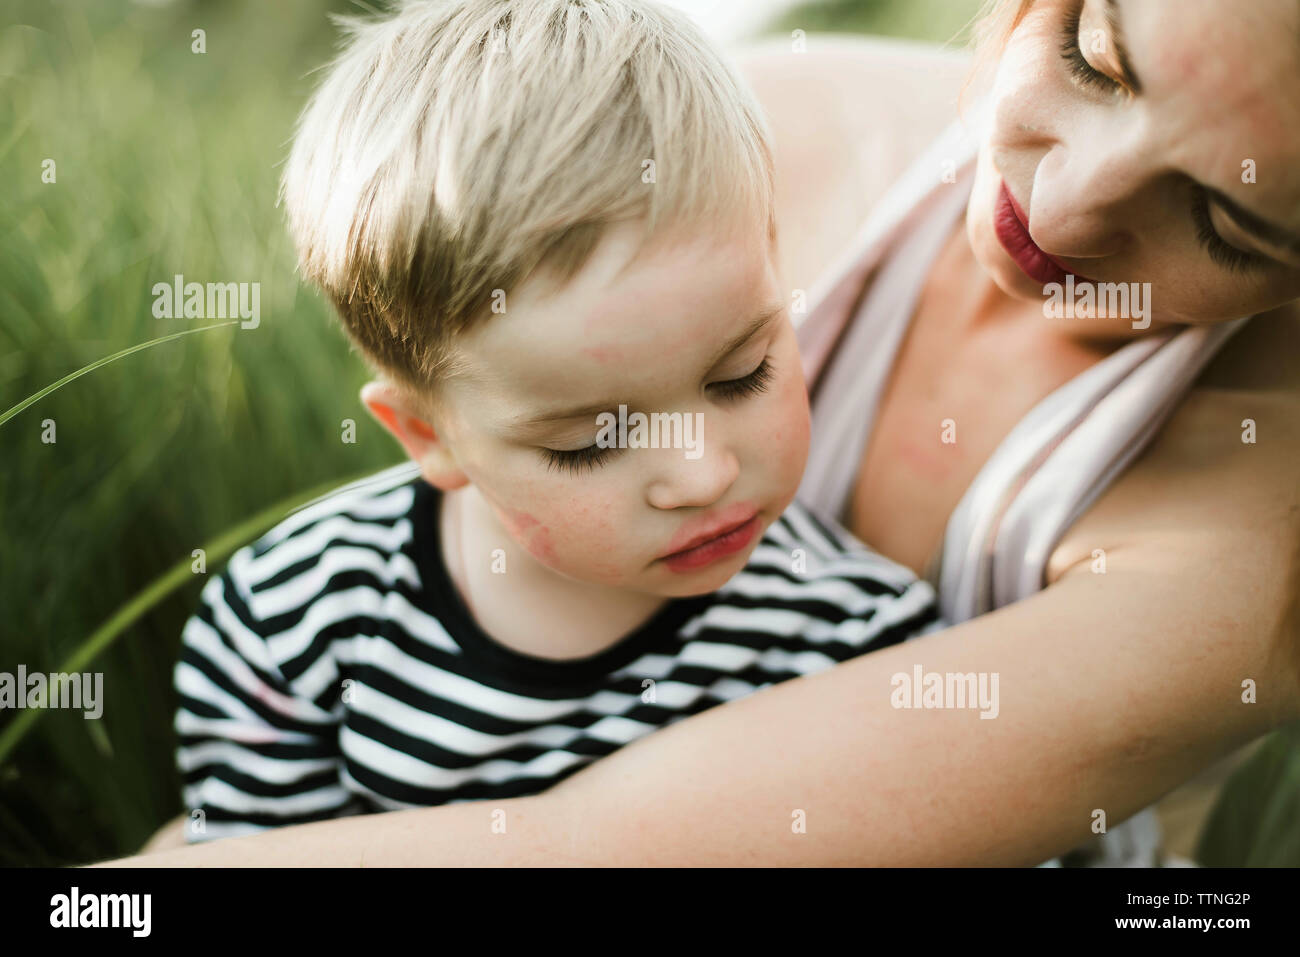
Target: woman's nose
(1080, 172)
(1085, 200)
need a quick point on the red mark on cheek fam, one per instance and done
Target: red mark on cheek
(517, 522)
(541, 546)
(605, 355)
(530, 533)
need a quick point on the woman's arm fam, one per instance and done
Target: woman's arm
(1113, 689)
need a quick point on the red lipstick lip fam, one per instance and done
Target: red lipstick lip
(1012, 227)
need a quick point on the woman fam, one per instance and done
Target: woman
(1137, 534)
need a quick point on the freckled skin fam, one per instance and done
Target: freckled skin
(518, 522)
(530, 533)
(648, 337)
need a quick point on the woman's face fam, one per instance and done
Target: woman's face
(1147, 141)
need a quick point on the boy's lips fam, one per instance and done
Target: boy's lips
(1011, 224)
(711, 537)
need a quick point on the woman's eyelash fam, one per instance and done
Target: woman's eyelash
(752, 384)
(1221, 251)
(1080, 69)
(576, 461)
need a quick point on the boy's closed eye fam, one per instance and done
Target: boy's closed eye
(588, 457)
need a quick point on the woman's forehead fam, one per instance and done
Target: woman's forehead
(1221, 86)
(1239, 51)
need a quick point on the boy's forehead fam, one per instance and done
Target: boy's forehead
(625, 321)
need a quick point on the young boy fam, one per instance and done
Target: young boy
(548, 225)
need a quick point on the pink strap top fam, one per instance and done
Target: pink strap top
(1048, 470)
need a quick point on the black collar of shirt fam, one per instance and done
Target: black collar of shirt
(440, 598)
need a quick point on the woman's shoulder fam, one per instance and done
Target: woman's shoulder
(1216, 499)
(1263, 357)
(860, 85)
(847, 116)
(1243, 412)
(1225, 467)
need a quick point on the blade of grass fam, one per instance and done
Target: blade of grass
(1254, 822)
(32, 399)
(162, 586)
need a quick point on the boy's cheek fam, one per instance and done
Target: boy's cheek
(570, 533)
(790, 451)
(593, 532)
(787, 439)
(534, 537)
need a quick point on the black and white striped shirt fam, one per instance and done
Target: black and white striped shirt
(333, 668)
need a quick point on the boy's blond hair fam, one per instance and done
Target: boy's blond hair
(457, 145)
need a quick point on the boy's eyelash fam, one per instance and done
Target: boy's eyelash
(1080, 69)
(576, 461)
(1221, 251)
(752, 384)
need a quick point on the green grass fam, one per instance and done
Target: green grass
(167, 162)
(938, 21)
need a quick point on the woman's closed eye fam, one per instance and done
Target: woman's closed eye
(1081, 71)
(1221, 252)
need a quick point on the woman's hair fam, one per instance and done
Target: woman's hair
(456, 146)
(997, 21)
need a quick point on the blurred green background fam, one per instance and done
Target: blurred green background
(167, 162)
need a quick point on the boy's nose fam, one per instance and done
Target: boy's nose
(682, 482)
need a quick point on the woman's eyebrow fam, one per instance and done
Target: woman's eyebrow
(1127, 74)
(1276, 236)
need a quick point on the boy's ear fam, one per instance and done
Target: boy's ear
(392, 408)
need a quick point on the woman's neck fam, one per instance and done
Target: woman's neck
(973, 361)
